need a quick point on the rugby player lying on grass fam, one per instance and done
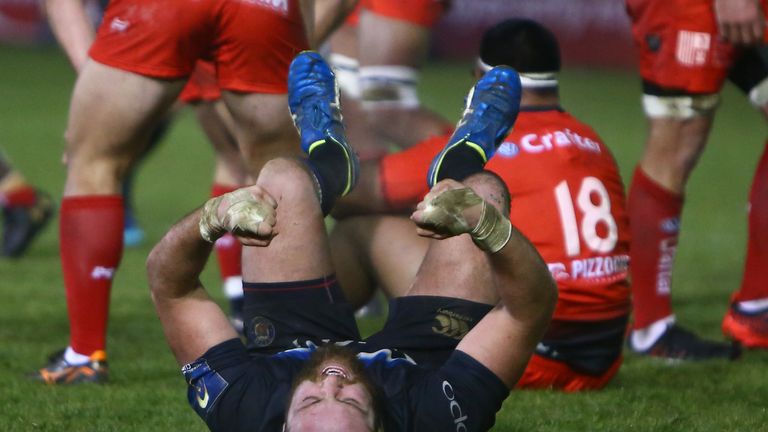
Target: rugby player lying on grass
(408, 376)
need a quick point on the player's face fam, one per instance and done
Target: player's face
(333, 399)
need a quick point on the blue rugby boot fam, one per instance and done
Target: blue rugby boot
(491, 110)
(313, 98)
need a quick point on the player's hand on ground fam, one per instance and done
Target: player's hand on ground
(741, 22)
(449, 209)
(247, 213)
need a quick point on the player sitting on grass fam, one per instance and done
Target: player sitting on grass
(567, 199)
(410, 375)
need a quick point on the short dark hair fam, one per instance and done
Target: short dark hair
(522, 44)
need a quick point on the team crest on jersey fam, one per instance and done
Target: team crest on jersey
(508, 149)
(262, 331)
(452, 324)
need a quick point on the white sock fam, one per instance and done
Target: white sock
(753, 306)
(644, 338)
(233, 287)
(74, 358)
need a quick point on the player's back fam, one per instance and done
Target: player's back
(568, 199)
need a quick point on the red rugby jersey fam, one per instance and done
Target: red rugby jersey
(567, 198)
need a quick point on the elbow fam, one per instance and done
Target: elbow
(154, 270)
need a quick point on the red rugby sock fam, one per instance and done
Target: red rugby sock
(91, 245)
(754, 284)
(654, 215)
(23, 196)
(228, 249)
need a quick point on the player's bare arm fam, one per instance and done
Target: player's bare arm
(191, 320)
(740, 21)
(72, 27)
(524, 284)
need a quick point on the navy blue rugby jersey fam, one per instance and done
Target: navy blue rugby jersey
(232, 391)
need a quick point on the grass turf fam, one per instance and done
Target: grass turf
(147, 391)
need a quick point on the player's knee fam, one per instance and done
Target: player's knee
(680, 107)
(491, 188)
(389, 87)
(286, 177)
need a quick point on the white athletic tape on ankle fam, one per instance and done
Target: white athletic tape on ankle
(347, 74)
(680, 107)
(389, 86)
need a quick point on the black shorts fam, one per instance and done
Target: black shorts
(749, 70)
(427, 328)
(588, 347)
(285, 315)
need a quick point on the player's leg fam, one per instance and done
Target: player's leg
(133, 234)
(26, 210)
(454, 286)
(344, 60)
(365, 258)
(293, 280)
(203, 95)
(681, 87)
(747, 318)
(107, 125)
(263, 128)
(256, 47)
(229, 174)
(389, 69)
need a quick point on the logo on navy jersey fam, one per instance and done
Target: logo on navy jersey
(262, 331)
(452, 324)
(508, 149)
(456, 413)
(202, 395)
(205, 386)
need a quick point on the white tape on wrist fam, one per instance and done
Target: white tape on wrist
(211, 227)
(493, 230)
(243, 215)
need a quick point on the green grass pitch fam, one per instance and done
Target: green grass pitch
(147, 392)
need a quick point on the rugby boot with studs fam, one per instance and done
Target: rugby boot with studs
(749, 329)
(22, 224)
(491, 109)
(313, 99)
(59, 372)
(679, 344)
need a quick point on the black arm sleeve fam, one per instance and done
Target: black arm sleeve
(463, 395)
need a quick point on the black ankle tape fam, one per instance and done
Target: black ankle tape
(329, 165)
(323, 290)
(460, 163)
